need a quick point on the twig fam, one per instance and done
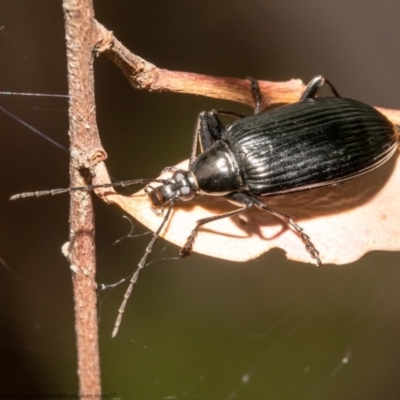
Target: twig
(144, 75)
(86, 151)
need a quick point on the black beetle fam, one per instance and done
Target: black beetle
(315, 142)
(312, 143)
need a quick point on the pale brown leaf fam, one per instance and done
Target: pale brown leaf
(343, 221)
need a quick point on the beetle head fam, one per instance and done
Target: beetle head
(180, 186)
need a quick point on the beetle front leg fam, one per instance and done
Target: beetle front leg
(208, 130)
(240, 199)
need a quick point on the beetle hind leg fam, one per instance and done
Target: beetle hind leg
(315, 84)
(296, 228)
(305, 238)
(256, 93)
(246, 202)
(250, 201)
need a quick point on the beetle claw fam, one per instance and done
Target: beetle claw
(188, 246)
(185, 250)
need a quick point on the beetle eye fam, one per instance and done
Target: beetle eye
(186, 193)
(178, 175)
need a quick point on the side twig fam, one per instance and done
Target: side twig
(142, 74)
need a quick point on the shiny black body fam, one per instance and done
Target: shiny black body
(312, 143)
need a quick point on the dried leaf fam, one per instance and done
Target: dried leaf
(344, 221)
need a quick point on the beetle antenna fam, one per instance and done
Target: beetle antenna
(53, 192)
(141, 265)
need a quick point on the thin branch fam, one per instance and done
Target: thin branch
(142, 74)
(86, 151)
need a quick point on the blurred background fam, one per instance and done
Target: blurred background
(195, 328)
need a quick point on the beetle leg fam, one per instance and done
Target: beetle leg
(236, 198)
(256, 93)
(315, 84)
(296, 228)
(247, 202)
(244, 198)
(208, 130)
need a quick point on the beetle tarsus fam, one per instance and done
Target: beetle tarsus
(188, 246)
(306, 240)
(311, 249)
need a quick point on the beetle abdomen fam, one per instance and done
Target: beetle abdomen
(315, 142)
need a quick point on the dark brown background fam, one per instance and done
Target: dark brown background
(194, 328)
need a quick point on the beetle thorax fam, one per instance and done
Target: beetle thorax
(216, 171)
